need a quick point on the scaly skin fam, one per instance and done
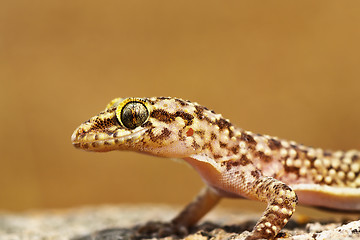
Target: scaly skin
(232, 162)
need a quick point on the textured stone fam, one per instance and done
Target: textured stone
(122, 223)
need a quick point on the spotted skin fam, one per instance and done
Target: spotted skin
(231, 161)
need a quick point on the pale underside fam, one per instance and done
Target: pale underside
(310, 194)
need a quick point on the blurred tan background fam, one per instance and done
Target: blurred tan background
(282, 68)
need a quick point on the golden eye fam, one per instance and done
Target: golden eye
(133, 114)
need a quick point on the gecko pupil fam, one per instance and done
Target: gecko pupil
(134, 114)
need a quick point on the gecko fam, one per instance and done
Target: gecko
(231, 161)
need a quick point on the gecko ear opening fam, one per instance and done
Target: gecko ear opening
(132, 113)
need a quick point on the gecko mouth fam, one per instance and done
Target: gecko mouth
(104, 141)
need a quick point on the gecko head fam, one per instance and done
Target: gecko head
(159, 126)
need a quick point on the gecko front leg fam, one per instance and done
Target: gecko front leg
(194, 211)
(281, 200)
(189, 216)
(240, 178)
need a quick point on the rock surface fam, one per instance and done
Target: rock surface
(123, 223)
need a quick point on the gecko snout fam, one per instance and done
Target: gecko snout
(76, 136)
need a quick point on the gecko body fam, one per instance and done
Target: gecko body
(231, 161)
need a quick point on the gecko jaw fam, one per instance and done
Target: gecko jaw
(105, 141)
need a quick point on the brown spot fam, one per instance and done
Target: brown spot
(292, 169)
(255, 173)
(162, 115)
(180, 101)
(235, 149)
(213, 136)
(207, 146)
(217, 156)
(274, 144)
(166, 117)
(231, 133)
(294, 146)
(230, 164)
(181, 137)
(263, 156)
(222, 145)
(165, 133)
(201, 133)
(186, 116)
(199, 111)
(222, 123)
(99, 124)
(147, 124)
(247, 138)
(163, 98)
(151, 135)
(244, 160)
(151, 101)
(355, 157)
(195, 145)
(327, 153)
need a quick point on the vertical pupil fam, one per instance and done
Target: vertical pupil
(134, 114)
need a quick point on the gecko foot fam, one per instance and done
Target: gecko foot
(160, 229)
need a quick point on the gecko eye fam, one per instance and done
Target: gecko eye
(133, 114)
